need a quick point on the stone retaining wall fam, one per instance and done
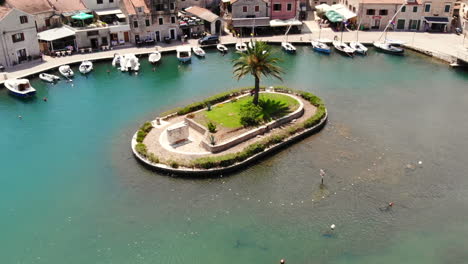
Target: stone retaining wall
(195, 126)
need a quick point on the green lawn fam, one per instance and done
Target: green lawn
(227, 114)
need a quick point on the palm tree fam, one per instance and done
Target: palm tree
(257, 61)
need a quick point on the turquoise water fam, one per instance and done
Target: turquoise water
(71, 191)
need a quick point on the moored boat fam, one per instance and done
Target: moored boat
(20, 87)
(66, 71)
(199, 51)
(154, 57)
(85, 67)
(241, 47)
(129, 62)
(320, 47)
(388, 48)
(48, 77)
(343, 48)
(288, 47)
(222, 48)
(184, 53)
(116, 60)
(358, 47)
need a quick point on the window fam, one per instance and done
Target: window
(160, 21)
(415, 9)
(99, 2)
(172, 6)
(140, 9)
(403, 9)
(400, 24)
(147, 22)
(334, 3)
(111, 1)
(370, 12)
(92, 33)
(17, 37)
(383, 12)
(173, 20)
(447, 8)
(135, 24)
(244, 9)
(276, 7)
(47, 22)
(23, 19)
(427, 8)
(289, 7)
(159, 7)
(257, 8)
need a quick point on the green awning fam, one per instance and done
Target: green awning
(82, 16)
(333, 16)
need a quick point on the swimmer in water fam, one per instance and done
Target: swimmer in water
(45, 99)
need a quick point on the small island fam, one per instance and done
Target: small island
(233, 129)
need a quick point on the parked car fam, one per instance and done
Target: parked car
(213, 39)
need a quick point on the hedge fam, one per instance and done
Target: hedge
(143, 131)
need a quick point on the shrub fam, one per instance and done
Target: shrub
(174, 164)
(211, 127)
(153, 158)
(251, 115)
(190, 116)
(212, 139)
(141, 149)
(143, 131)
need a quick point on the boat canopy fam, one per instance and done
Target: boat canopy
(183, 49)
(108, 11)
(55, 33)
(333, 16)
(82, 16)
(343, 10)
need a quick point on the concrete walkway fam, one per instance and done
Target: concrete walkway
(445, 46)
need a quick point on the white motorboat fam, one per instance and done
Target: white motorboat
(66, 71)
(388, 48)
(20, 87)
(129, 62)
(288, 47)
(320, 47)
(154, 57)
(222, 48)
(85, 67)
(48, 77)
(241, 47)
(358, 47)
(184, 53)
(251, 44)
(116, 60)
(198, 51)
(343, 48)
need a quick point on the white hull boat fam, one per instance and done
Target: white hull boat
(222, 48)
(184, 53)
(320, 47)
(358, 47)
(241, 47)
(86, 67)
(154, 57)
(49, 77)
(66, 71)
(116, 60)
(20, 87)
(388, 48)
(129, 62)
(251, 44)
(199, 51)
(343, 48)
(288, 47)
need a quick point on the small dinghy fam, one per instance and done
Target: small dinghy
(154, 57)
(184, 53)
(358, 47)
(20, 87)
(66, 71)
(343, 48)
(198, 51)
(49, 77)
(241, 47)
(389, 48)
(222, 48)
(116, 60)
(85, 67)
(288, 47)
(320, 47)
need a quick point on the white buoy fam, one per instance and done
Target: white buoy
(332, 227)
(420, 162)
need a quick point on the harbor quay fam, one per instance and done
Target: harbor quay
(447, 47)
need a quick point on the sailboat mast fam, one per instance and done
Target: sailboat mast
(386, 27)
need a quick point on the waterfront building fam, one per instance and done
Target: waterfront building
(182, 4)
(249, 14)
(287, 9)
(206, 21)
(43, 12)
(463, 15)
(18, 41)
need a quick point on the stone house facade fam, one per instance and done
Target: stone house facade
(18, 41)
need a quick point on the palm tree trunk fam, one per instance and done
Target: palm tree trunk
(256, 90)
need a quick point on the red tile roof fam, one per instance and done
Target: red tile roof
(4, 10)
(67, 5)
(31, 6)
(131, 5)
(388, 2)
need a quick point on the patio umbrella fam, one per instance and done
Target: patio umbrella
(333, 16)
(82, 16)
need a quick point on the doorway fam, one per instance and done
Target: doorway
(218, 27)
(172, 31)
(376, 24)
(94, 43)
(22, 55)
(126, 37)
(158, 36)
